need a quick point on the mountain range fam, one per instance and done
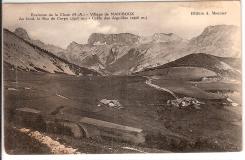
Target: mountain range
(126, 53)
(23, 55)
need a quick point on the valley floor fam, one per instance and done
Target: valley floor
(216, 126)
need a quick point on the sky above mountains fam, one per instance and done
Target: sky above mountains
(165, 17)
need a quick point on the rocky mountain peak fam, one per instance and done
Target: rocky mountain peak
(72, 45)
(121, 38)
(221, 30)
(219, 40)
(165, 37)
(21, 32)
(222, 27)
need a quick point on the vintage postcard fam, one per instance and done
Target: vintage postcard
(122, 77)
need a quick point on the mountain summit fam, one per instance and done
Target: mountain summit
(23, 55)
(218, 40)
(121, 38)
(166, 37)
(22, 33)
(160, 37)
(72, 45)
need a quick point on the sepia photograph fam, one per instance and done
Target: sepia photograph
(122, 77)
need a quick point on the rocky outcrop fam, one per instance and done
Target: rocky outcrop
(72, 45)
(112, 57)
(22, 33)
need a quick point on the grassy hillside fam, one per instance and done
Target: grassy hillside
(23, 55)
(218, 65)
